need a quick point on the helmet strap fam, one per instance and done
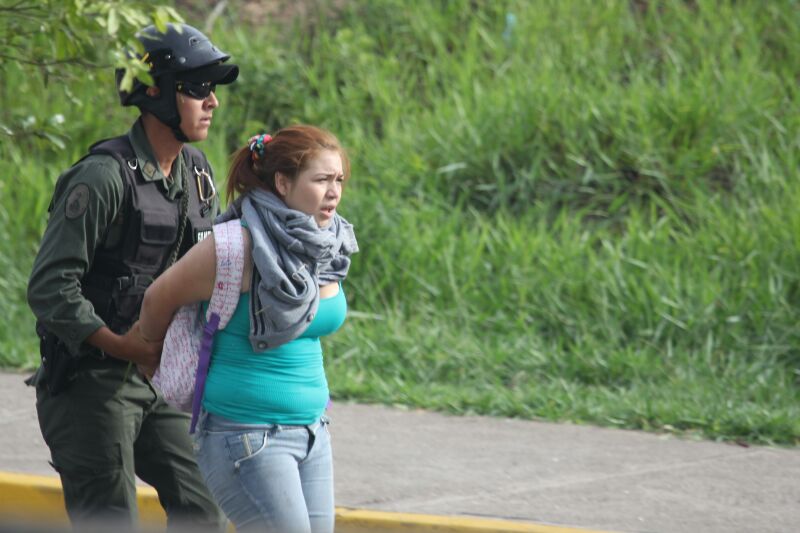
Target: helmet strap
(175, 121)
(164, 107)
(178, 133)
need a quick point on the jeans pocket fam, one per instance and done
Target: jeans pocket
(245, 446)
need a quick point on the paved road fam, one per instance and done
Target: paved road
(411, 461)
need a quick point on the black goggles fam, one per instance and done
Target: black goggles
(195, 90)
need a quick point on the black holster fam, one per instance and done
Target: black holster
(58, 365)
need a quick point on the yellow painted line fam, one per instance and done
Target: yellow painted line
(38, 499)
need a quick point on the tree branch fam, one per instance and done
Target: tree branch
(68, 61)
(212, 17)
(16, 8)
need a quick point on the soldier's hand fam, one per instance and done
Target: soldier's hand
(144, 352)
(131, 346)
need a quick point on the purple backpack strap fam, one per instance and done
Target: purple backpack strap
(203, 360)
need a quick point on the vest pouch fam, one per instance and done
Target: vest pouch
(158, 234)
(127, 299)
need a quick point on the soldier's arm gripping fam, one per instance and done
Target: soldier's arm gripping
(86, 199)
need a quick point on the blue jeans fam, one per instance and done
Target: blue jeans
(269, 477)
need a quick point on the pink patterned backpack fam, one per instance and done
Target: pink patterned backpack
(181, 376)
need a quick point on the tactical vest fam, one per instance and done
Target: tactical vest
(147, 233)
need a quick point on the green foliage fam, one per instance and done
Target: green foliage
(573, 210)
(55, 42)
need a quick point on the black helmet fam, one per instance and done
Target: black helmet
(183, 53)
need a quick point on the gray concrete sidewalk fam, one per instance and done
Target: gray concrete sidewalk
(412, 461)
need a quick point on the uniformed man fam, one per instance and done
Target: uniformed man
(118, 218)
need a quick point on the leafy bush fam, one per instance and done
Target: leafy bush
(567, 210)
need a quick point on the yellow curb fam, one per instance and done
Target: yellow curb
(29, 498)
(39, 499)
(358, 521)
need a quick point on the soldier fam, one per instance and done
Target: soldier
(118, 218)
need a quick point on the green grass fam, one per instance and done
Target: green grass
(588, 214)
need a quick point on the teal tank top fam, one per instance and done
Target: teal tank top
(283, 385)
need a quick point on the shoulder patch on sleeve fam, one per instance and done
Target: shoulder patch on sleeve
(77, 201)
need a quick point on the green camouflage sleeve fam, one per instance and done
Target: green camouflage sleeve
(85, 201)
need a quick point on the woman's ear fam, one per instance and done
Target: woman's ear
(153, 91)
(282, 183)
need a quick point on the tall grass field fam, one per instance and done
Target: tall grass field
(583, 211)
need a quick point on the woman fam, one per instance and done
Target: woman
(263, 444)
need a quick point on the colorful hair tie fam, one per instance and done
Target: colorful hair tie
(257, 143)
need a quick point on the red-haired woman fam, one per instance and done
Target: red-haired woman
(263, 444)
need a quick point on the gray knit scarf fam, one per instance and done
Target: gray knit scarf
(292, 257)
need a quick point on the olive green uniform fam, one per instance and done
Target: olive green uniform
(109, 424)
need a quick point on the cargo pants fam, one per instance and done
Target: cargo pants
(109, 426)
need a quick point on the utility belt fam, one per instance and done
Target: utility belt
(116, 300)
(59, 367)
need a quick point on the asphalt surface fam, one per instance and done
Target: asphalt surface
(412, 461)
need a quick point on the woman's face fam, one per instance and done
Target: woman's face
(317, 189)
